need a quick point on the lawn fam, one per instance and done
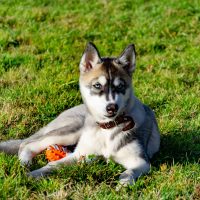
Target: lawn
(41, 43)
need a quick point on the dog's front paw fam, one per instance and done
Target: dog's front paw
(25, 159)
(127, 178)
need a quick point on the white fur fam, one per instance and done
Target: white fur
(102, 80)
(90, 138)
(128, 156)
(35, 147)
(94, 140)
(97, 104)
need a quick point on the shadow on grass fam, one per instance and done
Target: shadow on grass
(179, 147)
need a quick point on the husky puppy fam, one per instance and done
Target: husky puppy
(112, 122)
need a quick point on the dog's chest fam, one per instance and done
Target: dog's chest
(108, 145)
(99, 142)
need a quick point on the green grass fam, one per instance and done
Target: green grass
(41, 43)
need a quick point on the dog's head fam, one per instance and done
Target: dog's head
(106, 83)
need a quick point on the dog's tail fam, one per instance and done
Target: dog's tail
(10, 146)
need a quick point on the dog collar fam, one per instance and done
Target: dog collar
(127, 120)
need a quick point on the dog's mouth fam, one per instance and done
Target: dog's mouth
(113, 115)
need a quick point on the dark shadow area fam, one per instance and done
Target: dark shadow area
(178, 147)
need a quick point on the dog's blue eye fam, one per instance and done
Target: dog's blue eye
(97, 86)
(120, 86)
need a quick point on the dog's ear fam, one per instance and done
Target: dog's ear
(128, 58)
(90, 58)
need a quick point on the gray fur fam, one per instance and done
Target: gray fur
(126, 139)
(141, 133)
(73, 117)
(10, 146)
(130, 148)
(67, 122)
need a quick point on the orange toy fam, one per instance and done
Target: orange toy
(56, 152)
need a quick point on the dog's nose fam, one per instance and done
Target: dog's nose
(111, 108)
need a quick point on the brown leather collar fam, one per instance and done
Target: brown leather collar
(127, 120)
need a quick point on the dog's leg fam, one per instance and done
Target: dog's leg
(68, 121)
(135, 163)
(35, 147)
(130, 175)
(82, 151)
(70, 159)
(64, 130)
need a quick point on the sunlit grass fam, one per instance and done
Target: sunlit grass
(41, 43)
